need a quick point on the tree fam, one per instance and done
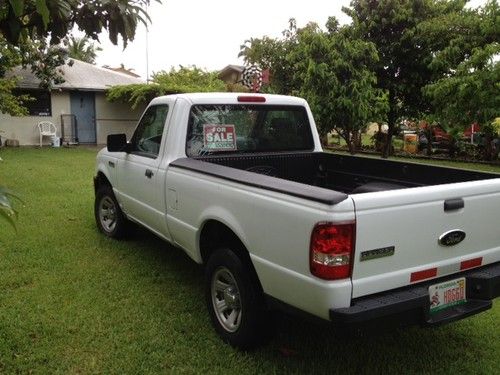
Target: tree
(9, 103)
(37, 19)
(189, 79)
(175, 81)
(7, 210)
(404, 55)
(469, 91)
(82, 49)
(25, 26)
(43, 60)
(334, 71)
(273, 54)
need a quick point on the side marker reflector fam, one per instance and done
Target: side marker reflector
(422, 275)
(471, 263)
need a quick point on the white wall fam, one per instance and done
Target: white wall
(24, 128)
(113, 118)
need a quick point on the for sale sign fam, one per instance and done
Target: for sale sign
(219, 137)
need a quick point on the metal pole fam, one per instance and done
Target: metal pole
(147, 49)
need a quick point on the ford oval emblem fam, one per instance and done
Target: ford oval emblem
(452, 237)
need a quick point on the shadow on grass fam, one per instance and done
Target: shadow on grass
(304, 346)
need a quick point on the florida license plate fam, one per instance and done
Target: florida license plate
(447, 294)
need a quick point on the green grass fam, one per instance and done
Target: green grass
(73, 301)
(366, 140)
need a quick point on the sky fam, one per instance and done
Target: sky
(208, 34)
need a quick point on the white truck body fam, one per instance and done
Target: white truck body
(275, 227)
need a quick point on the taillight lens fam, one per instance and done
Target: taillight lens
(331, 253)
(251, 99)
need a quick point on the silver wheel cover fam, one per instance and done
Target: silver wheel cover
(107, 214)
(226, 299)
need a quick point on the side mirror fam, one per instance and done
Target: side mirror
(117, 142)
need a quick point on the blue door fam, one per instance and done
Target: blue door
(83, 108)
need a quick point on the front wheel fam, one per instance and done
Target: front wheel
(234, 301)
(108, 215)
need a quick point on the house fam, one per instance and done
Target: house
(255, 77)
(78, 107)
(122, 69)
(232, 73)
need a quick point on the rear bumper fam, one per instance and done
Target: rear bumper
(410, 305)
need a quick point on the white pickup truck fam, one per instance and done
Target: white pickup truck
(241, 184)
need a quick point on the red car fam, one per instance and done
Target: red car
(441, 139)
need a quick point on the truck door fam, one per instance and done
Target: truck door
(140, 186)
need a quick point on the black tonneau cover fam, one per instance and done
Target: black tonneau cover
(324, 177)
(314, 193)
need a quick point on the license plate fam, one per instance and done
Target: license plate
(447, 294)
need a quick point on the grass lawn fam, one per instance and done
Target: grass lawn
(73, 301)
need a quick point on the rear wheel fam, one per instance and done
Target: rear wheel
(234, 301)
(108, 215)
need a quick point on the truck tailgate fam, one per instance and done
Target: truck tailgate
(398, 232)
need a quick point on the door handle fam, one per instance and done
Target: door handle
(453, 204)
(149, 173)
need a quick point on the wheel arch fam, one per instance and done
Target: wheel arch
(100, 180)
(215, 234)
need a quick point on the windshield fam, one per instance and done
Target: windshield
(247, 128)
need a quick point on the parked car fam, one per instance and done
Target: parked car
(441, 139)
(241, 184)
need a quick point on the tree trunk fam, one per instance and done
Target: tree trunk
(359, 140)
(428, 134)
(453, 148)
(324, 140)
(488, 149)
(347, 137)
(494, 146)
(356, 140)
(391, 123)
(351, 147)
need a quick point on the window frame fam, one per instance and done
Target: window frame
(133, 139)
(35, 94)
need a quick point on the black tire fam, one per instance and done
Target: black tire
(108, 215)
(241, 295)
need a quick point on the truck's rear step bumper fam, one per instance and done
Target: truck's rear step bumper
(411, 304)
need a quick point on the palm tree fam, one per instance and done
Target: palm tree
(7, 210)
(83, 49)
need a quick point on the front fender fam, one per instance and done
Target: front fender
(105, 166)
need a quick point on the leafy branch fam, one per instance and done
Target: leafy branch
(7, 210)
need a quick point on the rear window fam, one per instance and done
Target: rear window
(247, 128)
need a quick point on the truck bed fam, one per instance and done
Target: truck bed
(337, 173)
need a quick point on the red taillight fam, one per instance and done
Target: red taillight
(251, 99)
(332, 247)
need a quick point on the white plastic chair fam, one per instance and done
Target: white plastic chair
(47, 129)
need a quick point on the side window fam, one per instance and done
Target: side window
(286, 130)
(147, 137)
